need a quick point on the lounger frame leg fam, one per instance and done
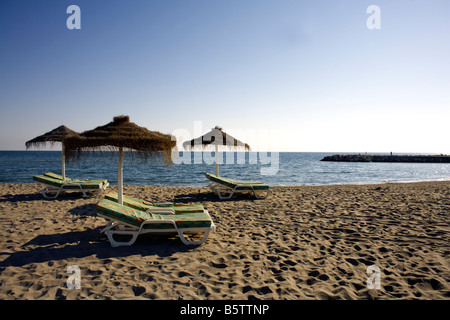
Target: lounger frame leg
(46, 190)
(261, 197)
(110, 232)
(198, 242)
(225, 193)
(101, 189)
(222, 192)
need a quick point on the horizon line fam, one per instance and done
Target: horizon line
(271, 151)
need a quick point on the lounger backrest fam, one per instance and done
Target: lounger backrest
(49, 181)
(59, 177)
(128, 201)
(143, 205)
(234, 183)
(86, 184)
(54, 176)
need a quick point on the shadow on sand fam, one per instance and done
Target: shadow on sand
(80, 244)
(39, 197)
(211, 197)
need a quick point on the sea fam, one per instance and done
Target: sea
(188, 168)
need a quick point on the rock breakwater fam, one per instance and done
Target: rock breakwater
(388, 158)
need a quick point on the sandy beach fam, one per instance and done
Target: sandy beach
(308, 242)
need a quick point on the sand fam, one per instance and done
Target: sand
(307, 242)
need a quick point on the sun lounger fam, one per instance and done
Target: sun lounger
(54, 185)
(168, 207)
(225, 188)
(124, 220)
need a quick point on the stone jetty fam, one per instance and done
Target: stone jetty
(388, 158)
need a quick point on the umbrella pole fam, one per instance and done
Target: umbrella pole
(217, 160)
(120, 176)
(63, 164)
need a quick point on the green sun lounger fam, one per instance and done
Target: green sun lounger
(168, 207)
(225, 188)
(54, 185)
(124, 220)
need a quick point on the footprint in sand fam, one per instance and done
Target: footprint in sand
(182, 274)
(138, 290)
(219, 265)
(316, 276)
(273, 258)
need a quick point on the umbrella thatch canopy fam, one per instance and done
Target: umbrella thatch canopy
(121, 133)
(216, 137)
(52, 137)
(56, 135)
(118, 135)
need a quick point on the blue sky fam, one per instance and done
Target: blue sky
(284, 75)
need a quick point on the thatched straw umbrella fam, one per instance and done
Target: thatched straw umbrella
(216, 137)
(52, 137)
(118, 135)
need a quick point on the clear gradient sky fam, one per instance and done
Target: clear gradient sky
(307, 73)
